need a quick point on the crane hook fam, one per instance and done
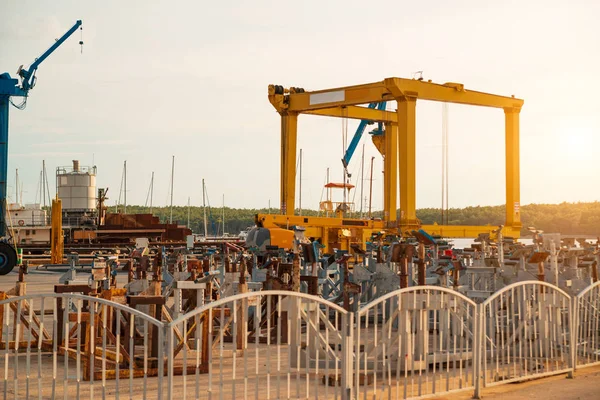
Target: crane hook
(81, 38)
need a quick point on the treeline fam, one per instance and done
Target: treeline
(566, 218)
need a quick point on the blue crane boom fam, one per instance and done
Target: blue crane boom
(28, 76)
(9, 87)
(360, 130)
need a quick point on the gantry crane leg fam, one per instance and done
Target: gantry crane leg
(390, 174)
(289, 137)
(513, 191)
(407, 166)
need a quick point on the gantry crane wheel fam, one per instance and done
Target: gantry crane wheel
(8, 258)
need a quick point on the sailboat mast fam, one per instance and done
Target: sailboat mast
(40, 187)
(204, 208)
(223, 233)
(172, 182)
(125, 187)
(17, 186)
(44, 180)
(188, 224)
(151, 191)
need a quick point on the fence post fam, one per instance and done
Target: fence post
(170, 357)
(347, 346)
(479, 341)
(576, 331)
(161, 360)
(573, 321)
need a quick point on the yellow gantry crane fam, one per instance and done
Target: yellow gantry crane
(399, 151)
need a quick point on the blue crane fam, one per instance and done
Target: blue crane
(10, 87)
(359, 132)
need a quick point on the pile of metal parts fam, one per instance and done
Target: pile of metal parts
(569, 263)
(488, 265)
(169, 283)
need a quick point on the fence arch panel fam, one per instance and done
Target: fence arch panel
(587, 327)
(77, 346)
(268, 344)
(415, 342)
(526, 333)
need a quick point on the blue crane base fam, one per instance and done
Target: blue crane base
(8, 258)
(8, 255)
(10, 87)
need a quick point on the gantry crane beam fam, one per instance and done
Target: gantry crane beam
(386, 90)
(449, 92)
(297, 100)
(356, 112)
(400, 136)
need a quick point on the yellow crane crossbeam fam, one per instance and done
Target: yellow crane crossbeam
(356, 112)
(387, 90)
(448, 92)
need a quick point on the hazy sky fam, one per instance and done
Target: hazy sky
(189, 79)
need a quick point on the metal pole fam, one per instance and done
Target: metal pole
(120, 190)
(17, 186)
(204, 209)
(43, 180)
(371, 187)
(300, 185)
(446, 168)
(329, 189)
(444, 137)
(40, 187)
(151, 191)
(362, 179)
(172, 182)
(188, 223)
(223, 233)
(328, 192)
(125, 187)
(47, 185)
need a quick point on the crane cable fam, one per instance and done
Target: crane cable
(445, 178)
(344, 143)
(10, 227)
(20, 106)
(81, 38)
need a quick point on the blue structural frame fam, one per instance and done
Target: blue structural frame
(360, 130)
(9, 87)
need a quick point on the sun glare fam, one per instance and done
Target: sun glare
(577, 141)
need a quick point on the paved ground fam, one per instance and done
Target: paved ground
(42, 281)
(585, 386)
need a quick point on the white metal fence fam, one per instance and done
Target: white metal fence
(76, 346)
(411, 343)
(526, 333)
(587, 326)
(261, 345)
(414, 342)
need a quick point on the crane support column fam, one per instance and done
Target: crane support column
(4, 102)
(390, 174)
(513, 185)
(10, 87)
(407, 170)
(289, 137)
